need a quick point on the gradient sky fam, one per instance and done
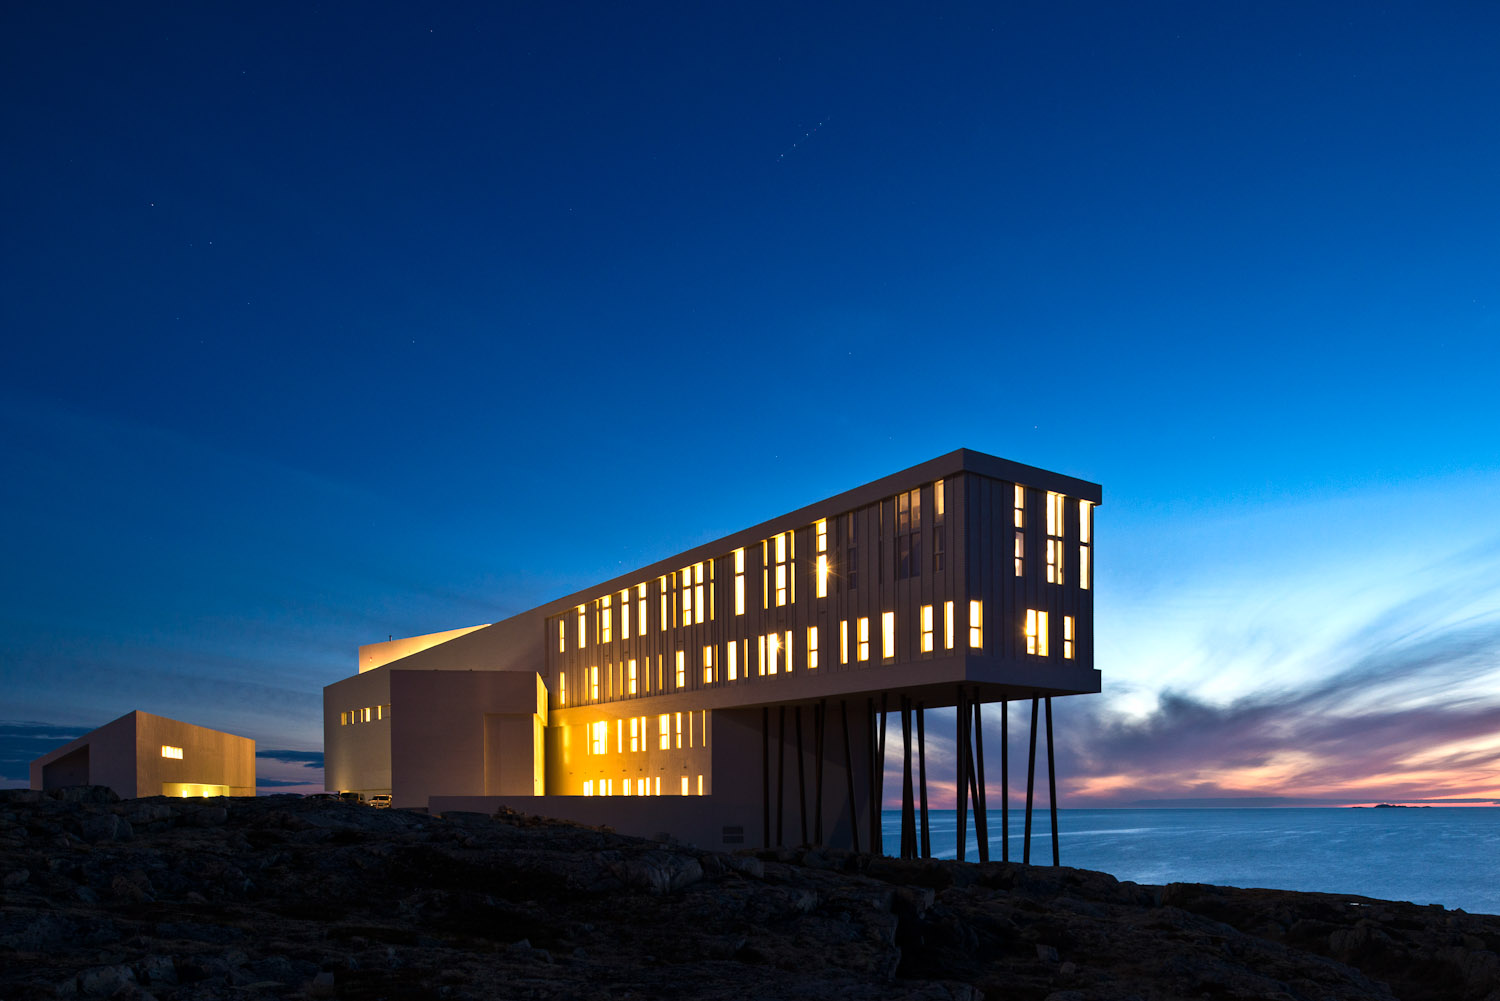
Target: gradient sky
(324, 324)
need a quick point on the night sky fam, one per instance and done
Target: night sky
(329, 323)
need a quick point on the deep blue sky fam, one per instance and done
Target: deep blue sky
(324, 324)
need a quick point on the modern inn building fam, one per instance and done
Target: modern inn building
(736, 694)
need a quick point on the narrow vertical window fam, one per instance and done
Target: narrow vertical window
(678, 730)
(685, 785)
(784, 569)
(1054, 538)
(864, 638)
(773, 651)
(927, 629)
(739, 582)
(760, 664)
(630, 677)
(685, 583)
(594, 684)
(787, 646)
(582, 635)
(698, 592)
(681, 669)
(1020, 551)
(812, 647)
(635, 734)
(625, 614)
(606, 620)
(664, 732)
(947, 625)
(888, 635)
(843, 641)
(562, 636)
(588, 787)
(976, 624)
(851, 567)
(765, 573)
(700, 784)
(909, 534)
(1085, 542)
(732, 663)
(562, 688)
(661, 586)
(1020, 519)
(708, 665)
(640, 606)
(1067, 637)
(1036, 632)
(821, 529)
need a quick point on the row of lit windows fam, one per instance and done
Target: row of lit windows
(775, 651)
(695, 586)
(634, 735)
(636, 787)
(168, 751)
(369, 714)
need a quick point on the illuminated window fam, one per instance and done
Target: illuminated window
(630, 677)
(664, 731)
(947, 625)
(864, 639)
(773, 651)
(681, 669)
(661, 583)
(588, 787)
(1020, 524)
(168, 751)
(888, 635)
(739, 586)
(822, 536)
(1036, 632)
(812, 647)
(619, 736)
(625, 614)
(562, 688)
(708, 665)
(733, 665)
(939, 534)
(782, 549)
(1067, 637)
(787, 646)
(700, 785)
(582, 635)
(562, 636)
(760, 663)
(635, 734)
(1086, 540)
(343, 719)
(843, 641)
(698, 590)
(927, 629)
(658, 786)
(607, 787)
(1020, 551)
(598, 736)
(1054, 538)
(909, 534)
(685, 583)
(640, 606)
(976, 624)
(678, 722)
(594, 684)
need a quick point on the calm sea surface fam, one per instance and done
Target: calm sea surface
(1443, 855)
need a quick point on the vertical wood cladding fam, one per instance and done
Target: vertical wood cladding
(864, 554)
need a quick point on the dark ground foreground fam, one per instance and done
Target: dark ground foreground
(285, 897)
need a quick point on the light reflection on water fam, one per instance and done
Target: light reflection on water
(1439, 855)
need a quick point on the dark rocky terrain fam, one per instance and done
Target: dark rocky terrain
(285, 897)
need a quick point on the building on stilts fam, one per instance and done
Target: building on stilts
(741, 694)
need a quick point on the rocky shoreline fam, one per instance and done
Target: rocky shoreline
(281, 897)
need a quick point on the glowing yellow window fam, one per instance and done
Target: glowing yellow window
(1085, 522)
(888, 635)
(976, 624)
(630, 677)
(822, 535)
(843, 641)
(625, 614)
(733, 664)
(658, 786)
(708, 665)
(685, 582)
(588, 787)
(1054, 540)
(1020, 552)
(864, 638)
(1083, 567)
(562, 636)
(598, 736)
(582, 634)
(664, 731)
(1067, 637)
(640, 606)
(927, 629)
(681, 669)
(562, 688)
(787, 646)
(1036, 632)
(662, 587)
(700, 785)
(167, 751)
(684, 785)
(635, 734)
(947, 625)
(739, 584)
(812, 647)
(698, 592)
(1020, 506)
(773, 649)
(678, 731)
(594, 684)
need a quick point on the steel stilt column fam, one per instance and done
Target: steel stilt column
(849, 775)
(820, 719)
(908, 800)
(1004, 781)
(961, 781)
(922, 779)
(1052, 784)
(981, 806)
(765, 777)
(780, 773)
(801, 777)
(1030, 782)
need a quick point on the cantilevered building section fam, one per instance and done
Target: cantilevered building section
(141, 754)
(737, 693)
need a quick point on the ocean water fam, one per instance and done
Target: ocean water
(1442, 855)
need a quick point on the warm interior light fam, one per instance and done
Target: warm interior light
(823, 575)
(888, 635)
(976, 624)
(1067, 637)
(926, 628)
(864, 638)
(167, 751)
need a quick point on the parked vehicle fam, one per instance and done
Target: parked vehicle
(381, 801)
(352, 797)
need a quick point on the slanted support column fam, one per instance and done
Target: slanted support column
(922, 779)
(1030, 782)
(1004, 780)
(780, 773)
(981, 807)
(820, 719)
(961, 782)
(765, 777)
(908, 802)
(849, 775)
(1052, 784)
(801, 777)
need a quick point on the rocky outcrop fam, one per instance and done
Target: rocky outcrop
(284, 897)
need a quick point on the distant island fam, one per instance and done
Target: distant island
(1390, 806)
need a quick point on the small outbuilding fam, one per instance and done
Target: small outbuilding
(144, 755)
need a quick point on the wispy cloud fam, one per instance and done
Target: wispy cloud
(22, 741)
(308, 759)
